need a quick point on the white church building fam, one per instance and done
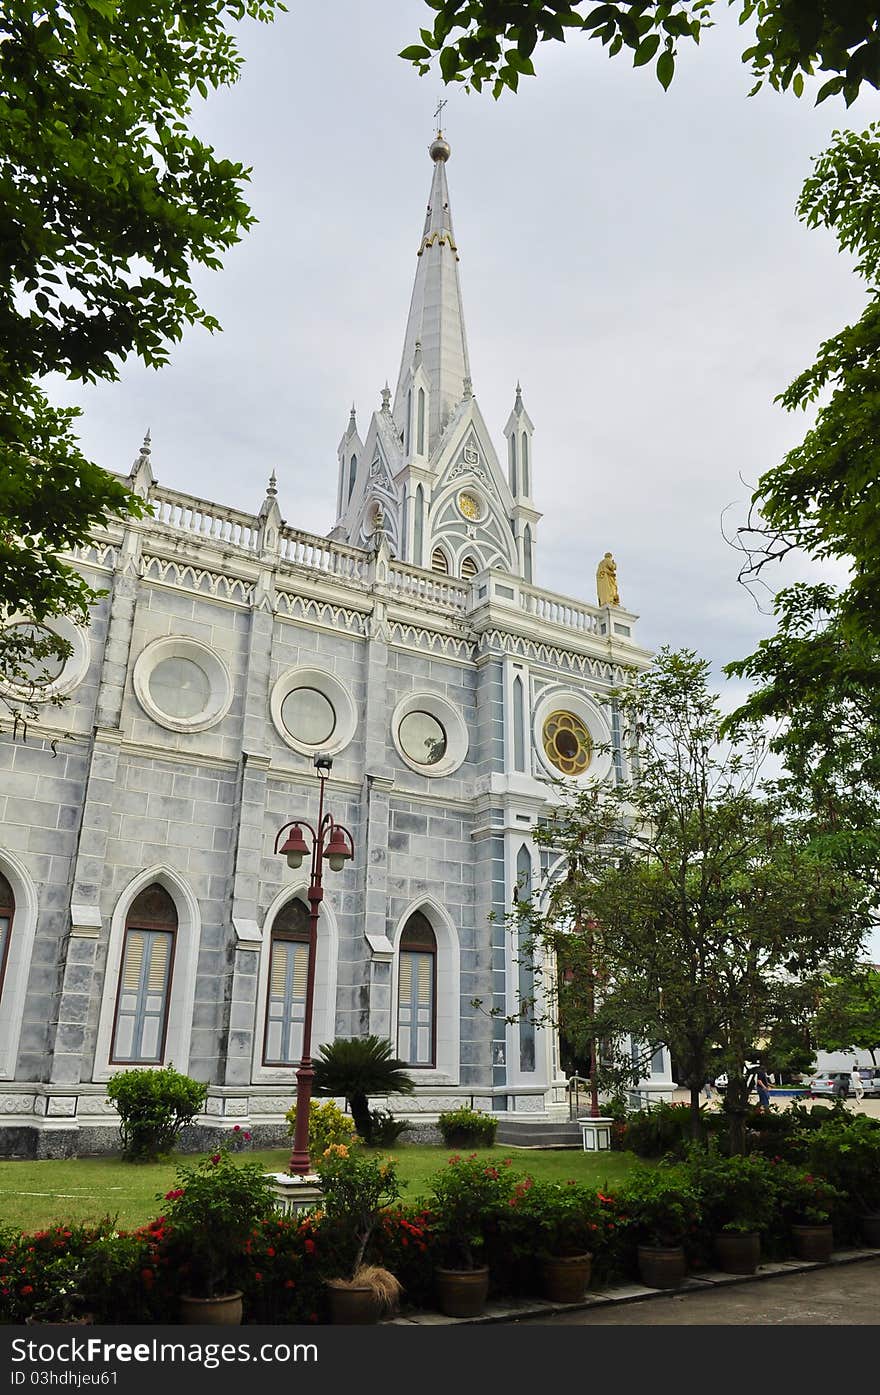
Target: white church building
(145, 918)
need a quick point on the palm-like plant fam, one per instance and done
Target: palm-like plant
(357, 1068)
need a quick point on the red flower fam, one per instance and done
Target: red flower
(147, 1275)
(289, 1283)
(258, 1277)
(247, 1137)
(310, 1247)
(215, 1158)
(270, 1250)
(171, 1196)
(236, 1128)
(27, 1288)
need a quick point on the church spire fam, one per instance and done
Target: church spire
(435, 328)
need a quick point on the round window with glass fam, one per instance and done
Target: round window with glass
(422, 737)
(308, 716)
(31, 660)
(179, 687)
(469, 505)
(567, 743)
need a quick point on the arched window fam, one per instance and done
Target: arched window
(286, 994)
(421, 422)
(513, 464)
(407, 430)
(417, 993)
(519, 725)
(439, 562)
(525, 965)
(7, 915)
(418, 526)
(352, 475)
(527, 553)
(469, 568)
(525, 465)
(144, 987)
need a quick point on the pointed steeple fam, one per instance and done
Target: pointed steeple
(435, 329)
(141, 474)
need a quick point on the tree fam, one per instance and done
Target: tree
(492, 41)
(357, 1068)
(848, 1016)
(107, 202)
(715, 911)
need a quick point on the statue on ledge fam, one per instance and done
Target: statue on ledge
(606, 581)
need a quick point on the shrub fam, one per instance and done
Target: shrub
(466, 1201)
(662, 1205)
(386, 1128)
(327, 1125)
(467, 1128)
(848, 1156)
(661, 1131)
(153, 1107)
(558, 1218)
(356, 1189)
(737, 1193)
(356, 1069)
(214, 1208)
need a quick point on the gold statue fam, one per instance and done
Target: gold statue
(606, 581)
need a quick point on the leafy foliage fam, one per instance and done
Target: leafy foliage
(848, 1018)
(467, 1128)
(109, 202)
(662, 1205)
(327, 1125)
(356, 1190)
(492, 41)
(211, 1215)
(357, 1068)
(153, 1107)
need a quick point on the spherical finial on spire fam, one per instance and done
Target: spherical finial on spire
(439, 149)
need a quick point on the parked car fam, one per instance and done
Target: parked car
(830, 1082)
(870, 1081)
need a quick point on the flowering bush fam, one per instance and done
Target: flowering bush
(239, 1139)
(558, 1219)
(211, 1214)
(327, 1125)
(356, 1189)
(662, 1205)
(466, 1201)
(804, 1198)
(737, 1194)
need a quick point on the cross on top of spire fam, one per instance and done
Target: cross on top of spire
(438, 114)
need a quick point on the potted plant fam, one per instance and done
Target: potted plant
(661, 1204)
(466, 1198)
(356, 1191)
(738, 1196)
(807, 1203)
(560, 1225)
(212, 1213)
(847, 1154)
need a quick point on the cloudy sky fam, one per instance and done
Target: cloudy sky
(631, 256)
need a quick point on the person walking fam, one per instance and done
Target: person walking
(762, 1085)
(857, 1084)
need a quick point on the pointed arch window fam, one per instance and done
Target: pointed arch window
(519, 725)
(407, 433)
(469, 568)
(144, 988)
(525, 465)
(286, 994)
(527, 553)
(439, 562)
(513, 482)
(352, 474)
(420, 431)
(525, 965)
(417, 992)
(7, 915)
(418, 526)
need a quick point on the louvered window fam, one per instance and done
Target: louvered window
(288, 978)
(7, 911)
(145, 979)
(439, 562)
(416, 993)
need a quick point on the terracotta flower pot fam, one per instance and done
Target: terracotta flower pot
(870, 1226)
(738, 1252)
(564, 1278)
(462, 1292)
(662, 1266)
(222, 1311)
(352, 1304)
(813, 1242)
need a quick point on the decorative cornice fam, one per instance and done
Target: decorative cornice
(321, 613)
(186, 576)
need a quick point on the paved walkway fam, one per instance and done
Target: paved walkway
(845, 1291)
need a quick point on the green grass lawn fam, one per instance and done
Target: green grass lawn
(34, 1194)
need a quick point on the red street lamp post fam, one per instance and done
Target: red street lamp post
(330, 840)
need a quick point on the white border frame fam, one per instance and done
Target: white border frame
(75, 667)
(561, 699)
(336, 694)
(447, 1068)
(215, 670)
(324, 1007)
(18, 960)
(452, 722)
(178, 1032)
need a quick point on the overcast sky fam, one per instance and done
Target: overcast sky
(631, 256)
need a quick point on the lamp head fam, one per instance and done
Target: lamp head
(295, 848)
(324, 763)
(338, 851)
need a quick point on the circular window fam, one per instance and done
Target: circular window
(567, 743)
(422, 738)
(312, 712)
(179, 687)
(33, 679)
(182, 684)
(308, 716)
(469, 505)
(429, 734)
